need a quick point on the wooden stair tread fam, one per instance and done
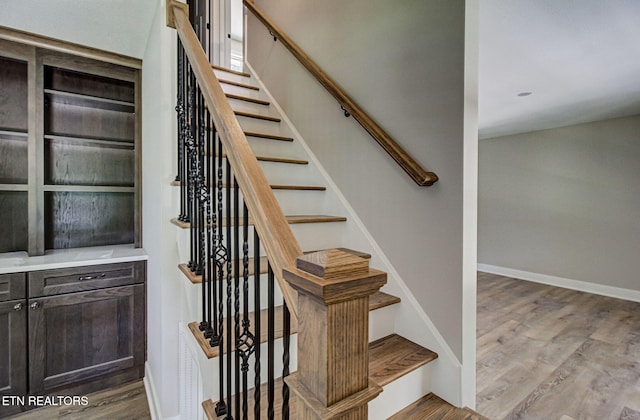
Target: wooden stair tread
(225, 69)
(246, 99)
(393, 356)
(433, 407)
(267, 136)
(278, 160)
(282, 160)
(211, 352)
(238, 84)
(293, 219)
(381, 299)
(273, 187)
(209, 406)
(256, 116)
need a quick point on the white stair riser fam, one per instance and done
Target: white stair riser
(220, 74)
(400, 393)
(381, 322)
(252, 107)
(243, 91)
(194, 296)
(209, 367)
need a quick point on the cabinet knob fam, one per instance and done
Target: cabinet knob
(18, 307)
(35, 305)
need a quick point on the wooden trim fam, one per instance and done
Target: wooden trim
(406, 162)
(36, 156)
(276, 236)
(68, 47)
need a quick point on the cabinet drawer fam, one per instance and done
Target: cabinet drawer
(77, 279)
(12, 286)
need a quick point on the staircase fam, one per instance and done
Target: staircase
(401, 367)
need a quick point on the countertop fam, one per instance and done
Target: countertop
(17, 262)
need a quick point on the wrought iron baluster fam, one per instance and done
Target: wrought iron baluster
(286, 341)
(210, 222)
(191, 179)
(230, 257)
(201, 185)
(180, 129)
(236, 289)
(246, 344)
(221, 261)
(256, 319)
(270, 343)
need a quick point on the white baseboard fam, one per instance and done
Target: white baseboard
(581, 286)
(152, 397)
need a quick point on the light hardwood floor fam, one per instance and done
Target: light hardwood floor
(546, 353)
(127, 402)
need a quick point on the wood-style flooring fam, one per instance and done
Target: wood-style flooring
(547, 353)
(127, 402)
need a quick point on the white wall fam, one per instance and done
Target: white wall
(564, 202)
(404, 63)
(120, 26)
(165, 294)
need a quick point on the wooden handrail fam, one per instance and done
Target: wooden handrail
(406, 162)
(276, 236)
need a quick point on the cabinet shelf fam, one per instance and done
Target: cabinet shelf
(76, 99)
(11, 134)
(14, 187)
(88, 189)
(88, 141)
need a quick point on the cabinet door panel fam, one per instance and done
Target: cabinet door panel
(79, 336)
(12, 286)
(13, 352)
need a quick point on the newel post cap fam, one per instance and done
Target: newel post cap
(334, 275)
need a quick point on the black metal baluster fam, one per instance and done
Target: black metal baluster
(270, 343)
(202, 196)
(180, 127)
(286, 336)
(202, 186)
(191, 139)
(230, 257)
(221, 260)
(247, 341)
(236, 289)
(256, 319)
(209, 264)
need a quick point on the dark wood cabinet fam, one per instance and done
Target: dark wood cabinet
(70, 177)
(69, 151)
(71, 330)
(13, 340)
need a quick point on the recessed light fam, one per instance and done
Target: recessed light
(524, 93)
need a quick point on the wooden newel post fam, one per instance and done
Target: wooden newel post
(332, 381)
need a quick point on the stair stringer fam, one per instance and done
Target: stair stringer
(411, 319)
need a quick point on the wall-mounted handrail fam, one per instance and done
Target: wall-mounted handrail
(276, 236)
(406, 162)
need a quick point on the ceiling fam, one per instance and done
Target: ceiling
(580, 59)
